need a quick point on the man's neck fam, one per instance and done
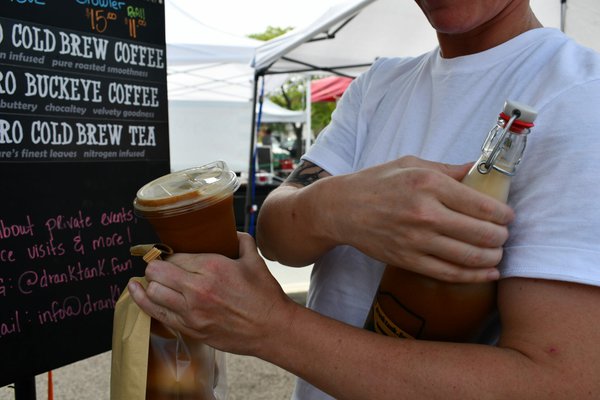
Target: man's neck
(505, 26)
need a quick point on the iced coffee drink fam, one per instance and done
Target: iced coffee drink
(192, 212)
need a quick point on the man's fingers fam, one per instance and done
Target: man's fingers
(456, 172)
(477, 205)
(166, 297)
(159, 302)
(471, 230)
(169, 273)
(469, 202)
(141, 298)
(464, 254)
(247, 244)
(449, 272)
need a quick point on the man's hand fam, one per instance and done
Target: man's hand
(229, 304)
(416, 214)
(409, 212)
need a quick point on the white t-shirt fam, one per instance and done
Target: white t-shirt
(441, 110)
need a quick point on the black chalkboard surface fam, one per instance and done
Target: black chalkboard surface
(83, 124)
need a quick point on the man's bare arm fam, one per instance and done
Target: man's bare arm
(305, 174)
(287, 218)
(548, 350)
(409, 212)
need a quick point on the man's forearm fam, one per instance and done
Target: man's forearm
(349, 363)
(289, 229)
(539, 359)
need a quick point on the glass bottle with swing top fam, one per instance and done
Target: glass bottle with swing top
(411, 305)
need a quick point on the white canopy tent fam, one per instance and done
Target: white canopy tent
(345, 40)
(210, 92)
(209, 81)
(350, 36)
(581, 20)
(203, 62)
(203, 131)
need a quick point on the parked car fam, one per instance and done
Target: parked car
(289, 144)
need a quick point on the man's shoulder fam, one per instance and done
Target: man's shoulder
(562, 55)
(394, 66)
(388, 69)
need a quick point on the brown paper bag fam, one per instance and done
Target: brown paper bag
(151, 361)
(131, 336)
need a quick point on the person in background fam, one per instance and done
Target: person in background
(266, 138)
(382, 185)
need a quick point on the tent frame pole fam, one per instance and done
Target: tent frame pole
(308, 111)
(250, 207)
(563, 15)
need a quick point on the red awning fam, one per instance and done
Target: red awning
(328, 89)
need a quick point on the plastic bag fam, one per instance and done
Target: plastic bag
(180, 367)
(150, 361)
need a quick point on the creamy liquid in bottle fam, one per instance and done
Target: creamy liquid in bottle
(411, 305)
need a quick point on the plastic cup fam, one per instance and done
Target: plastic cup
(192, 210)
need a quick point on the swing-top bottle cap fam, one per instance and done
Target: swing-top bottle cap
(526, 113)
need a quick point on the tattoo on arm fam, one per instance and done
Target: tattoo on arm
(306, 173)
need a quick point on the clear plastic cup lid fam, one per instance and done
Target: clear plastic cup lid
(186, 190)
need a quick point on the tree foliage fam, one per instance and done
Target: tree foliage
(292, 96)
(270, 33)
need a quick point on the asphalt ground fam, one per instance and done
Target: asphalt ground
(248, 378)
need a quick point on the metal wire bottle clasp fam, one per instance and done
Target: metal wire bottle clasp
(487, 165)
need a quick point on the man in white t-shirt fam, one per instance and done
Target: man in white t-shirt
(382, 185)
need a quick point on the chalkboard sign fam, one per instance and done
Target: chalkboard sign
(83, 124)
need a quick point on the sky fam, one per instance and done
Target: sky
(244, 17)
(232, 19)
